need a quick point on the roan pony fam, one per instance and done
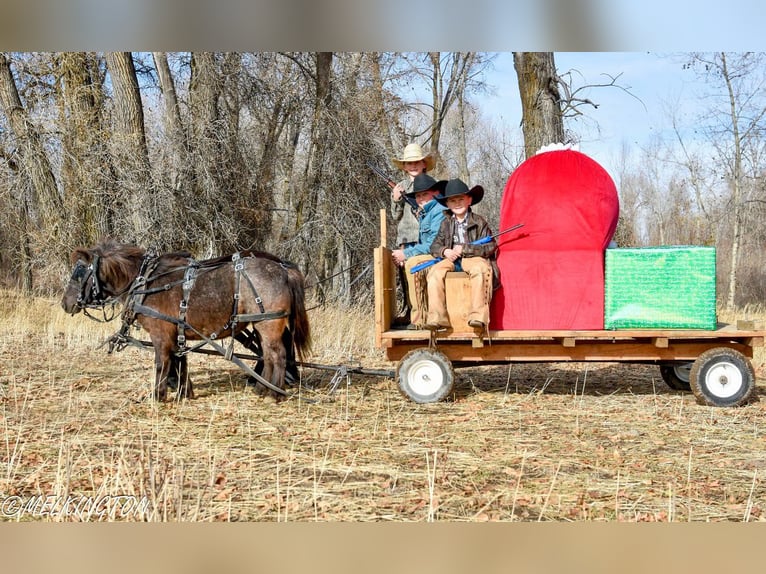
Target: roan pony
(253, 296)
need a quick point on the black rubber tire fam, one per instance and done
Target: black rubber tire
(425, 376)
(722, 377)
(677, 375)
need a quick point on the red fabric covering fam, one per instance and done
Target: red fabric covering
(552, 269)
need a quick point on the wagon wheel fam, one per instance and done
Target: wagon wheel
(425, 376)
(676, 375)
(722, 377)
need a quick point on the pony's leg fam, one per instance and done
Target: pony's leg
(163, 362)
(292, 377)
(185, 389)
(174, 375)
(264, 369)
(250, 339)
(275, 360)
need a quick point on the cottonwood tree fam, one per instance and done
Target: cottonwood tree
(734, 122)
(40, 204)
(542, 121)
(85, 165)
(130, 152)
(446, 79)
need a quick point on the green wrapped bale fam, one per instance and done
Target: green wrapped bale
(669, 287)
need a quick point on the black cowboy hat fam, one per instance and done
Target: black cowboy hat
(424, 182)
(458, 187)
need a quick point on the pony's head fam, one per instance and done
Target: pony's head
(100, 274)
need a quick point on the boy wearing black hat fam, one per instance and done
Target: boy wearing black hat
(412, 161)
(453, 243)
(430, 216)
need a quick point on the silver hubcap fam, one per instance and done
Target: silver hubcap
(425, 377)
(682, 371)
(724, 380)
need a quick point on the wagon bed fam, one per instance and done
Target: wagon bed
(714, 364)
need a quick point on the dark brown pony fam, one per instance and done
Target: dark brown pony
(253, 296)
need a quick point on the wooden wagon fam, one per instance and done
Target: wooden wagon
(714, 364)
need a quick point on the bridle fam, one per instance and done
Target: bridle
(92, 295)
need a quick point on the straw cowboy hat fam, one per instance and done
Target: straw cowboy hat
(458, 187)
(424, 182)
(413, 152)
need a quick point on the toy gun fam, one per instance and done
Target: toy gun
(483, 240)
(379, 172)
(391, 183)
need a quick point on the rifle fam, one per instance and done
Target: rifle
(392, 184)
(481, 241)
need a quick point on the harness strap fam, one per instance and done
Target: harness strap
(143, 310)
(189, 277)
(239, 268)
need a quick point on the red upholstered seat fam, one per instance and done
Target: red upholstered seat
(552, 269)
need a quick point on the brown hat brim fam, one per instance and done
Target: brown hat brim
(476, 193)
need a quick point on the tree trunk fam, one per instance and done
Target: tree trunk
(180, 173)
(84, 184)
(541, 119)
(736, 239)
(326, 255)
(130, 151)
(445, 96)
(208, 227)
(47, 202)
(380, 106)
(462, 150)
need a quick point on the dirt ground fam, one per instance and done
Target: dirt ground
(543, 442)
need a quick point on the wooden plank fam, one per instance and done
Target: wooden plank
(377, 273)
(750, 325)
(383, 278)
(660, 342)
(552, 351)
(383, 229)
(568, 341)
(458, 293)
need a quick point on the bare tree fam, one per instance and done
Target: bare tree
(85, 164)
(735, 125)
(180, 173)
(129, 150)
(542, 120)
(32, 157)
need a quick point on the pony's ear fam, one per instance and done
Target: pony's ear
(83, 254)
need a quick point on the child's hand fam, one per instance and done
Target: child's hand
(398, 256)
(453, 254)
(397, 191)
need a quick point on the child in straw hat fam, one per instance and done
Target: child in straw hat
(413, 161)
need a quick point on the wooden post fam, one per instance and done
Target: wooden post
(383, 228)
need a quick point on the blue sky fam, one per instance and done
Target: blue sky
(656, 79)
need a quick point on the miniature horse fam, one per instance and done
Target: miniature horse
(175, 298)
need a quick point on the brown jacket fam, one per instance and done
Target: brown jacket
(477, 228)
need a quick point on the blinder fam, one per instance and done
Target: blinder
(86, 276)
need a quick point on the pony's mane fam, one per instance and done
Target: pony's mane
(118, 262)
(168, 261)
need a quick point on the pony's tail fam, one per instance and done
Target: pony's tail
(299, 318)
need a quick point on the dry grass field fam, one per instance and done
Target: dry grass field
(556, 442)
